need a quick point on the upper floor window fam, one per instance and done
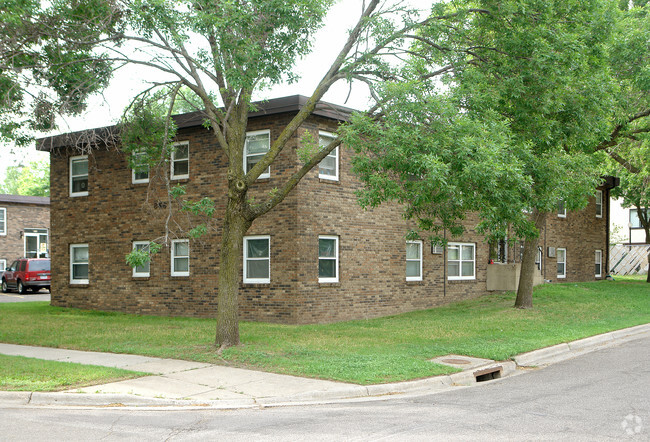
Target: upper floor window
(561, 262)
(79, 264)
(599, 263)
(257, 145)
(79, 175)
(414, 260)
(180, 168)
(180, 257)
(328, 169)
(635, 222)
(599, 204)
(141, 271)
(328, 259)
(561, 209)
(140, 172)
(3, 222)
(257, 259)
(461, 261)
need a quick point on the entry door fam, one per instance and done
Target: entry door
(36, 244)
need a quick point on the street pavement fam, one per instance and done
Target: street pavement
(176, 383)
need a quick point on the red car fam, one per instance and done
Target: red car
(27, 273)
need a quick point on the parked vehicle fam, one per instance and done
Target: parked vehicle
(27, 274)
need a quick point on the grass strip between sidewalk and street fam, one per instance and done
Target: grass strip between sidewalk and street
(28, 374)
(381, 350)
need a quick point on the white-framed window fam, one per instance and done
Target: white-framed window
(257, 259)
(180, 257)
(3, 265)
(461, 261)
(3, 222)
(561, 209)
(78, 263)
(257, 145)
(142, 271)
(635, 221)
(414, 260)
(599, 263)
(561, 262)
(79, 175)
(140, 171)
(180, 164)
(328, 168)
(599, 204)
(328, 259)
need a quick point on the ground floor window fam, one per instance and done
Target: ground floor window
(180, 257)
(142, 271)
(3, 265)
(414, 260)
(461, 261)
(328, 259)
(257, 259)
(36, 243)
(561, 263)
(79, 264)
(599, 263)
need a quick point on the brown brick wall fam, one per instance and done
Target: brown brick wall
(372, 246)
(19, 218)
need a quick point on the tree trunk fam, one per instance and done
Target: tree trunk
(234, 228)
(526, 277)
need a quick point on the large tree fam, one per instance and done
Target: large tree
(628, 143)
(48, 66)
(532, 76)
(224, 52)
(32, 180)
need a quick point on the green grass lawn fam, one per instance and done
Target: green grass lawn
(27, 374)
(369, 351)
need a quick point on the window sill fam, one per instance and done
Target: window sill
(180, 276)
(415, 282)
(329, 284)
(80, 286)
(336, 182)
(245, 285)
(141, 278)
(460, 281)
(180, 180)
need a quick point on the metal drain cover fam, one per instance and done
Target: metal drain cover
(455, 361)
(461, 361)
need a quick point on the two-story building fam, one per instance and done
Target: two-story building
(317, 257)
(24, 228)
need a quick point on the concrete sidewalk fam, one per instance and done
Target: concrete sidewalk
(177, 383)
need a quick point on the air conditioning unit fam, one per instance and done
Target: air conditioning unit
(551, 252)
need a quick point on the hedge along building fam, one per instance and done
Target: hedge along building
(317, 257)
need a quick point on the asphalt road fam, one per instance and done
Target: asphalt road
(604, 395)
(42, 295)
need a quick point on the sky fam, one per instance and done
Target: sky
(106, 109)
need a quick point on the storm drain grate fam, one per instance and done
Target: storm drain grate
(488, 374)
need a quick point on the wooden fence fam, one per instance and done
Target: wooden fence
(628, 259)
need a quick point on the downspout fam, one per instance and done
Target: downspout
(444, 265)
(607, 215)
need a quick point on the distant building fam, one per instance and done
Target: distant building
(24, 228)
(625, 227)
(317, 257)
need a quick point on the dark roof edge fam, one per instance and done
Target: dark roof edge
(609, 182)
(110, 134)
(24, 199)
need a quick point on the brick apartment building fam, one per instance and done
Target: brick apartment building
(24, 228)
(317, 257)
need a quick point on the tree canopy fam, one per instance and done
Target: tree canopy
(32, 180)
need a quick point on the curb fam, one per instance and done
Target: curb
(541, 357)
